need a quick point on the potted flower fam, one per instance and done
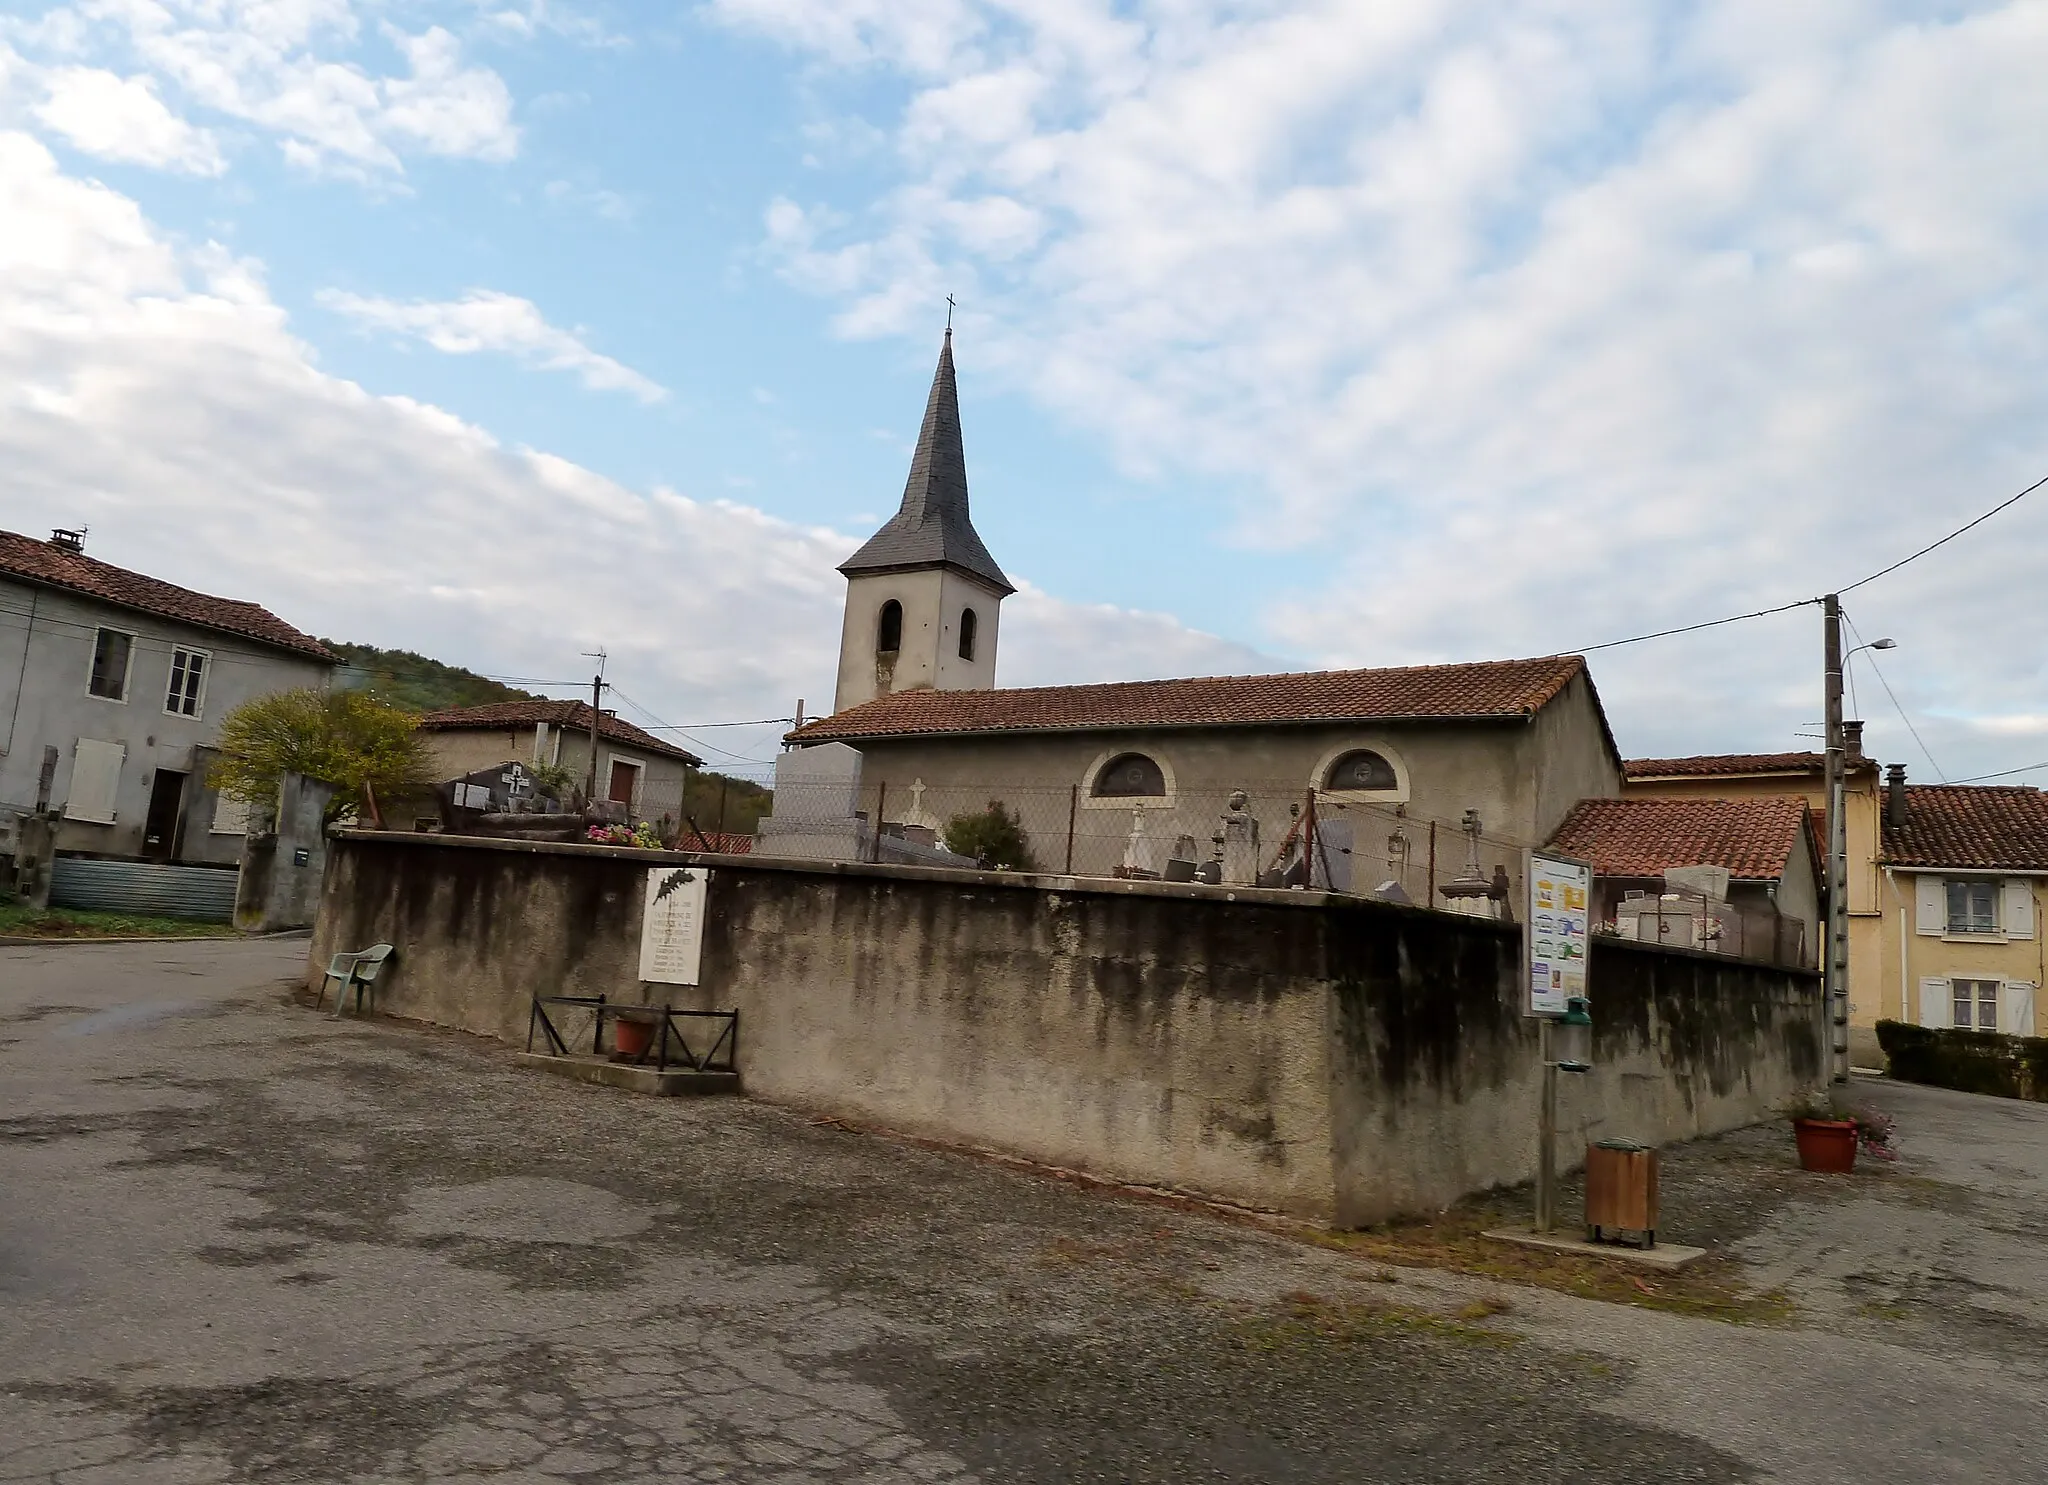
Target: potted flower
(1830, 1130)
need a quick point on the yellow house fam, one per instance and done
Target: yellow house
(1963, 869)
(1943, 917)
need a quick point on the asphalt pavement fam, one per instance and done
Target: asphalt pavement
(240, 1241)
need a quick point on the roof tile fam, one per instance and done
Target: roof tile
(1493, 688)
(1982, 827)
(1753, 838)
(573, 715)
(34, 561)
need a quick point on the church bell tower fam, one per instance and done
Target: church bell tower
(923, 596)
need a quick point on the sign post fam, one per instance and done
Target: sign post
(1555, 933)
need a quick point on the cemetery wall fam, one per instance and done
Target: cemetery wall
(1332, 1057)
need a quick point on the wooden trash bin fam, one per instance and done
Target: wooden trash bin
(1621, 1193)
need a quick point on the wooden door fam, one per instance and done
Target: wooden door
(624, 776)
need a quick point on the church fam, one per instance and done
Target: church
(1420, 777)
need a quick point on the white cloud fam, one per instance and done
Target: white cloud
(162, 400)
(485, 320)
(1560, 322)
(305, 71)
(121, 118)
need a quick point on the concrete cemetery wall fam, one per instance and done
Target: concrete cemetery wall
(1327, 1056)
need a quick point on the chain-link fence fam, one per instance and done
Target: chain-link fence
(1275, 831)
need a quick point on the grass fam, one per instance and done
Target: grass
(25, 922)
(1710, 1289)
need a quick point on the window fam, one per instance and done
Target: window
(1130, 776)
(1972, 908)
(1361, 770)
(625, 782)
(1979, 997)
(889, 631)
(188, 683)
(110, 651)
(968, 624)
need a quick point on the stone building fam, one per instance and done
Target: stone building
(1414, 775)
(634, 767)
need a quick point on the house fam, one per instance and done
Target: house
(1963, 868)
(1765, 843)
(1414, 775)
(634, 767)
(112, 688)
(1753, 775)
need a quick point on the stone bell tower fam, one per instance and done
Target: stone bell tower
(923, 597)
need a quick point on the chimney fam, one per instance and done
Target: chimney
(68, 541)
(1895, 797)
(1852, 742)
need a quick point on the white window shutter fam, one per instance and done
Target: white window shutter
(1935, 1007)
(230, 816)
(2016, 1008)
(2019, 907)
(95, 781)
(1933, 915)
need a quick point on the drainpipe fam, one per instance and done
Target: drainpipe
(1899, 901)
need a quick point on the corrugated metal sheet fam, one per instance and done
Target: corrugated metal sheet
(205, 893)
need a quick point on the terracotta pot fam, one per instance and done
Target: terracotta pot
(1826, 1144)
(632, 1035)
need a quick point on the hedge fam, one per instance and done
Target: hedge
(1969, 1061)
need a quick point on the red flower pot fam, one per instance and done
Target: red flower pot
(1826, 1144)
(632, 1036)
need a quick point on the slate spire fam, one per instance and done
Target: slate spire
(932, 528)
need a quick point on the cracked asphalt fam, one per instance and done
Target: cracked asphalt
(242, 1242)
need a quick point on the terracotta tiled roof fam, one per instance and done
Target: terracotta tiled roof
(1489, 689)
(34, 561)
(574, 715)
(1753, 838)
(1981, 827)
(1713, 765)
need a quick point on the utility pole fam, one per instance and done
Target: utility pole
(596, 711)
(1835, 962)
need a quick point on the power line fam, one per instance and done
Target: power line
(694, 742)
(2003, 504)
(1636, 639)
(1879, 670)
(2003, 774)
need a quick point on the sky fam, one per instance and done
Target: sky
(1289, 335)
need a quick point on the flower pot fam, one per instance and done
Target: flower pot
(1826, 1144)
(632, 1036)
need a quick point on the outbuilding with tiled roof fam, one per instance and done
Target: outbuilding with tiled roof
(645, 773)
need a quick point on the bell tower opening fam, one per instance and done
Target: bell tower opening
(889, 629)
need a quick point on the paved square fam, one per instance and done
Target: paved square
(243, 1242)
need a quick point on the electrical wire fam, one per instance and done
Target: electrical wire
(2003, 774)
(694, 742)
(1916, 556)
(1879, 670)
(1636, 639)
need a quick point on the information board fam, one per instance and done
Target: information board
(1554, 931)
(672, 927)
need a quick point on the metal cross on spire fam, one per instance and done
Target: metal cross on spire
(949, 314)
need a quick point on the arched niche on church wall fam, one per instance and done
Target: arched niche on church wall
(1128, 778)
(1363, 773)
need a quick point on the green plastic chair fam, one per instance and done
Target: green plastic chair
(358, 970)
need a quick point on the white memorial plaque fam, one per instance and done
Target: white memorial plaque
(672, 926)
(1554, 931)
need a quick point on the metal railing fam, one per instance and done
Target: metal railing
(670, 1045)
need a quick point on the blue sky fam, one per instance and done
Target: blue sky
(1289, 334)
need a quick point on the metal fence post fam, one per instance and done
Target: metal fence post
(1073, 810)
